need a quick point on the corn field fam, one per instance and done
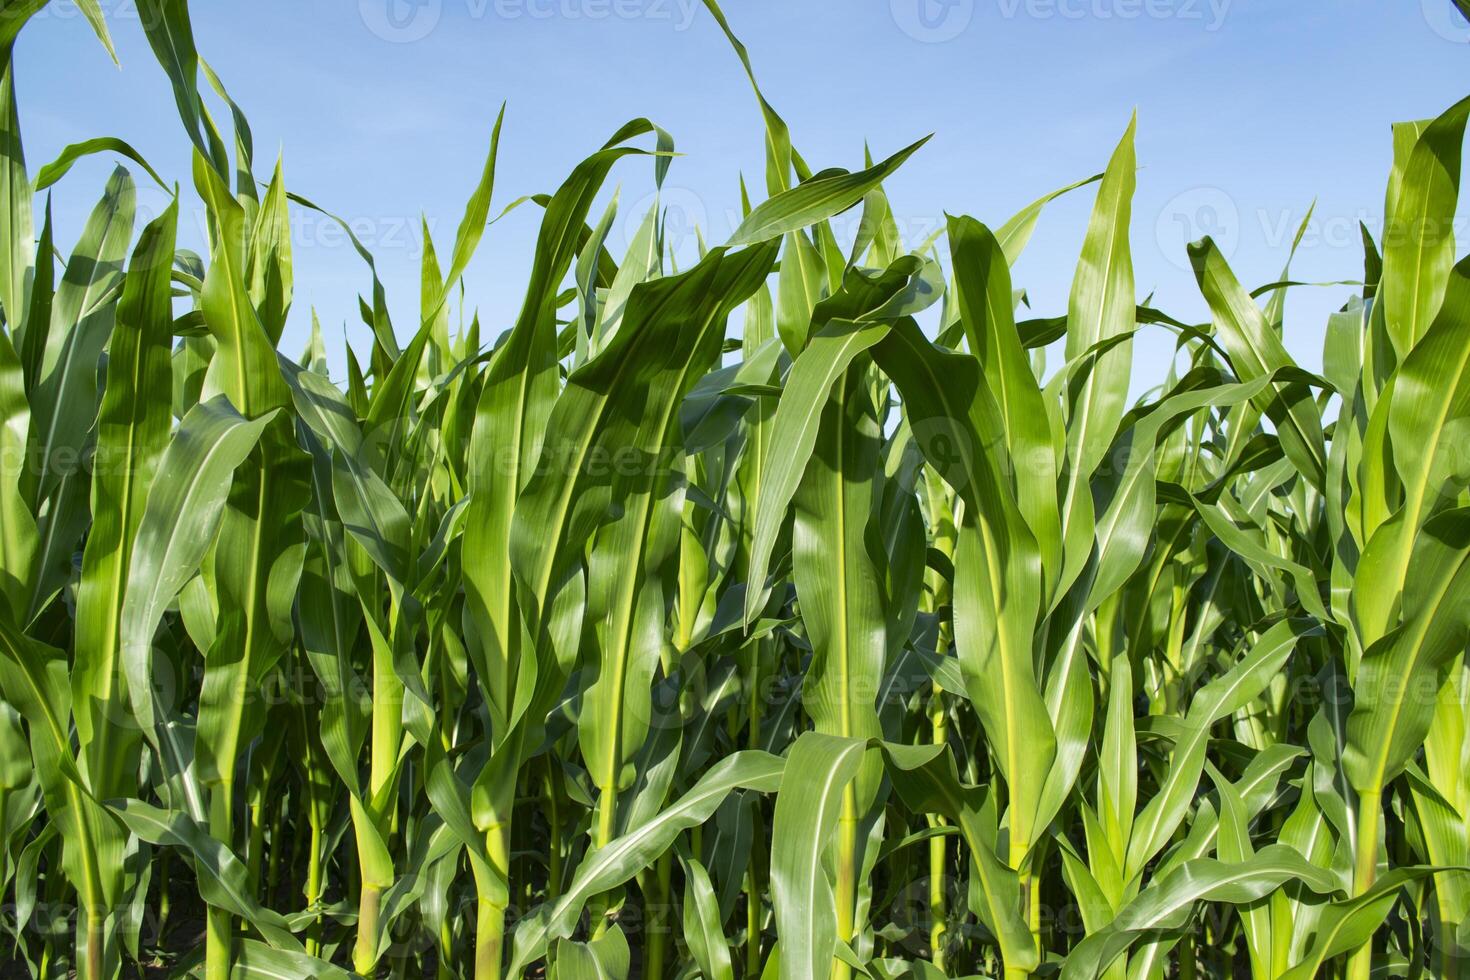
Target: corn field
(811, 611)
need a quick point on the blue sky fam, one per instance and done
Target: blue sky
(1248, 111)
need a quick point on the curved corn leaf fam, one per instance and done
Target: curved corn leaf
(1167, 904)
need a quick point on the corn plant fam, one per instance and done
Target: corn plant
(813, 609)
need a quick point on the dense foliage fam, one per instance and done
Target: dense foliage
(723, 620)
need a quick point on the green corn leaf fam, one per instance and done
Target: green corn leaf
(17, 12)
(1240, 685)
(1400, 675)
(19, 540)
(179, 523)
(92, 10)
(61, 166)
(254, 959)
(819, 769)
(702, 929)
(171, 35)
(1015, 234)
(625, 856)
(568, 495)
(223, 879)
(132, 433)
(1167, 904)
(1101, 307)
(1427, 407)
(18, 244)
(1256, 350)
(794, 434)
(1100, 310)
(1419, 240)
(66, 386)
(837, 579)
(983, 287)
(1347, 924)
(926, 779)
(815, 201)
